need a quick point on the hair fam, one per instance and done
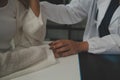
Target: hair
(25, 3)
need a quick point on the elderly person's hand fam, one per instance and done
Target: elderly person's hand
(63, 48)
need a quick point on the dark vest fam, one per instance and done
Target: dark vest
(103, 28)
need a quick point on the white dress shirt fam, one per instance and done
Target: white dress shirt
(76, 11)
(102, 6)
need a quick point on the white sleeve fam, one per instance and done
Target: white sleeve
(34, 26)
(31, 22)
(99, 45)
(72, 13)
(22, 58)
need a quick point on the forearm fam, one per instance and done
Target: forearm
(34, 5)
(20, 58)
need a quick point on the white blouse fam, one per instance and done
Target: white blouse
(7, 25)
(25, 33)
(78, 10)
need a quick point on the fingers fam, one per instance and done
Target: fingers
(64, 54)
(63, 51)
(54, 42)
(59, 50)
(68, 53)
(59, 47)
(63, 48)
(57, 44)
(56, 55)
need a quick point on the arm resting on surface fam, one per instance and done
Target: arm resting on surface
(21, 58)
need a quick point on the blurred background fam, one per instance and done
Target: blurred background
(57, 31)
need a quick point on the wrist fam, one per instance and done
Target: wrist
(83, 46)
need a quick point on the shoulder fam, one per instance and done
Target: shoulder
(20, 8)
(19, 4)
(21, 13)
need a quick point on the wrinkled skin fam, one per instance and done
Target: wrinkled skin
(63, 48)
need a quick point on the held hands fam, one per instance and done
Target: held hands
(63, 48)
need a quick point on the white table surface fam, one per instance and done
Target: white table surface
(67, 68)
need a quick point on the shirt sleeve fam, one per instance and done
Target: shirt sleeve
(31, 22)
(21, 58)
(107, 43)
(34, 26)
(72, 13)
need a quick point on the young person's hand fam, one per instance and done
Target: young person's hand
(63, 48)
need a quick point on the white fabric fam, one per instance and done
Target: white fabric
(76, 11)
(101, 12)
(7, 25)
(26, 43)
(36, 67)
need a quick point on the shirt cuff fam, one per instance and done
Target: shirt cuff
(95, 46)
(91, 46)
(100, 45)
